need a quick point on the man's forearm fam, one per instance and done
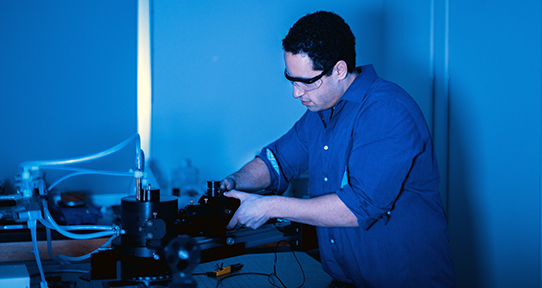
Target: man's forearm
(253, 176)
(324, 211)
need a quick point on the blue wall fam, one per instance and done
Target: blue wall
(218, 86)
(67, 86)
(495, 133)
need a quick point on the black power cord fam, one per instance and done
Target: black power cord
(275, 268)
(269, 276)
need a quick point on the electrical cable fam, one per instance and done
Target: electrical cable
(270, 275)
(275, 267)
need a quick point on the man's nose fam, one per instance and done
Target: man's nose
(298, 92)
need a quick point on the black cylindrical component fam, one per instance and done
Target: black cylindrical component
(154, 195)
(135, 216)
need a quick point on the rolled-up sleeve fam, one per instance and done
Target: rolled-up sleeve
(291, 155)
(385, 144)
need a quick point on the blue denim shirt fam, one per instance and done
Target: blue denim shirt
(375, 152)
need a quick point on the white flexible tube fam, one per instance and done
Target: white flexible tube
(31, 164)
(86, 227)
(50, 248)
(50, 222)
(88, 171)
(74, 235)
(35, 251)
(78, 227)
(63, 259)
(83, 257)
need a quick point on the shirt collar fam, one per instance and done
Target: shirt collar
(367, 75)
(360, 85)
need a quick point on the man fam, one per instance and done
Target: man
(373, 175)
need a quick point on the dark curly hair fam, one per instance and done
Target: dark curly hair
(325, 38)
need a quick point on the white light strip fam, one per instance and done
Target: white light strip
(144, 85)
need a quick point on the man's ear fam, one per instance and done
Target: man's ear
(342, 69)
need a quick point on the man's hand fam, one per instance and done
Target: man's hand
(228, 183)
(254, 176)
(253, 211)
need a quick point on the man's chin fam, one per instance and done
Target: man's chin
(313, 108)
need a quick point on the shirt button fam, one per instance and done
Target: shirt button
(325, 179)
(325, 147)
(332, 241)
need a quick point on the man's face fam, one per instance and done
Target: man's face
(324, 97)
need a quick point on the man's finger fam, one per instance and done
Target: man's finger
(233, 223)
(235, 194)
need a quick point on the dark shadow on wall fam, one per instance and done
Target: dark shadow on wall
(464, 233)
